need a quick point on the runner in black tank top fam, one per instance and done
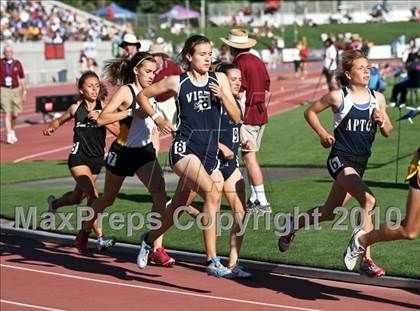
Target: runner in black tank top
(132, 152)
(88, 138)
(86, 156)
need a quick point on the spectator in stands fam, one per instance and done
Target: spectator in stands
(130, 45)
(13, 91)
(165, 102)
(412, 81)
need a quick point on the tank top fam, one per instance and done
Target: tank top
(88, 137)
(354, 128)
(199, 114)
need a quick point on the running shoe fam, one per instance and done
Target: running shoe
(105, 243)
(144, 251)
(160, 257)
(354, 249)
(238, 272)
(82, 240)
(50, 201)
(284, 241)
(263, 208)
(215, 268)
(369, 268)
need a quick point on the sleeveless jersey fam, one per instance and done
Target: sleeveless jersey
(354, 129)
(135, 131)
(230, 132)
(199, 114)
(88, 137)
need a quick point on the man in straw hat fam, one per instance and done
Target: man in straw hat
(255, 82)
(166, 67)
(130, 44)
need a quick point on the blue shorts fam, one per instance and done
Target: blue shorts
(228, 167)
(182, 147)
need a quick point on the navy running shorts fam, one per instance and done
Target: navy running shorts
(336, 163)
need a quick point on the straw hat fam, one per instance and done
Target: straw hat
(238, 38)
(129, 39)
(156, 49)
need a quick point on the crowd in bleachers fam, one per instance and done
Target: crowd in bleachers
(23, 21)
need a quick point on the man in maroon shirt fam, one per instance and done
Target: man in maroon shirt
(166, 101)
(12, 96)
(255, 83)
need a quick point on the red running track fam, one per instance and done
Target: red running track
(51, 276)
(287, 92)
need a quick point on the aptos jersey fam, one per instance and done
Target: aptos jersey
(354, 129)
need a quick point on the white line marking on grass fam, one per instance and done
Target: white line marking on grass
(28, 305)
(157, 289)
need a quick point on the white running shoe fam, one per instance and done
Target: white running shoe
(14, 138)
(104, 243)
(144, 251)
(354, 249)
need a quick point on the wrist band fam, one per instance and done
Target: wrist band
(156, 115)
(130, 112)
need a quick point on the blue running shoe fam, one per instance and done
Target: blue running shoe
(214, 267)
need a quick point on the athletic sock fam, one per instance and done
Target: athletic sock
(260, 193)
(253, 196)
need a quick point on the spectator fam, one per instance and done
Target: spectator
(412, 81)
(12, 96)
(304, 54)
(330, 62)
(130, 45)
(255, 82)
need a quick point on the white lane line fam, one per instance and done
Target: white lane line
(28, 305)
(34, 155)
(157, 289)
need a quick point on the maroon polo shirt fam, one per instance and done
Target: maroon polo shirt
(169, 68)
(255, 81)
(13, 69)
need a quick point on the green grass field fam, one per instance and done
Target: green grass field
(297, 146)
(378, 33)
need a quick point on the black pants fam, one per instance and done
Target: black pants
(328, 76)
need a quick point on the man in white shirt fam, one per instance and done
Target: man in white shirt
(330, 62)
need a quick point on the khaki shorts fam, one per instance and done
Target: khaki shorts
(168, 109)
(10, 100)
(254, 134)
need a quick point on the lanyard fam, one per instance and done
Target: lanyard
(8, 67)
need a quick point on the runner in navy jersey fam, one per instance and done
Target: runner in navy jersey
(132, 152)
(87, 154)
(193, 155)
(358, 111)
(233, 182)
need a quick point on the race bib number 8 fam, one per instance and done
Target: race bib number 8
(180, 147)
